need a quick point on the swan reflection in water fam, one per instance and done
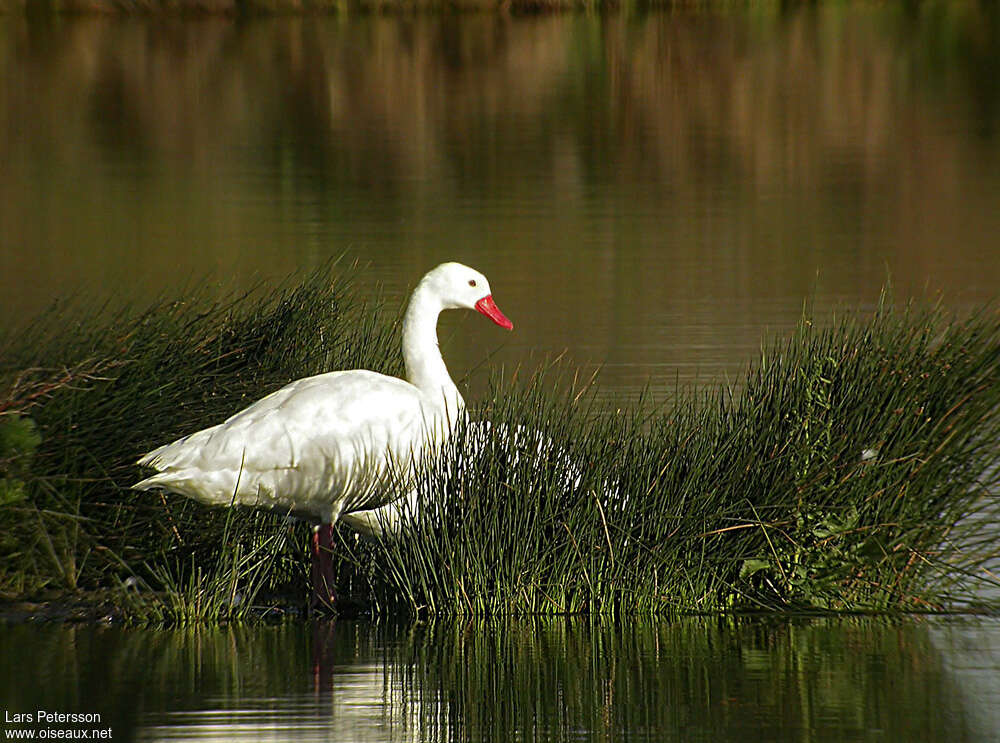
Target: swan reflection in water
(557, 678)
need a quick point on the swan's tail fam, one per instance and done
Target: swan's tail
(159, 480)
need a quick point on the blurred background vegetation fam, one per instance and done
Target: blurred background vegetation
(693, 175)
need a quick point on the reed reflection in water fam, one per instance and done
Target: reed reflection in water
(651, 192)
(553, 679)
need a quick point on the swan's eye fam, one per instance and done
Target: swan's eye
(472, 282)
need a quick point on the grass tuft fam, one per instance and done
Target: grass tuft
(855, 468)
(101, 388)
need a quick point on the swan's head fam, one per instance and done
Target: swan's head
(461, 287)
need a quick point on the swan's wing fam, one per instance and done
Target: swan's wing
(316, 446)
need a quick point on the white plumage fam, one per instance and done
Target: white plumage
(316, 447)
(338, 442)
(393, 519)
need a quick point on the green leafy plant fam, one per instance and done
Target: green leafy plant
(18, 440)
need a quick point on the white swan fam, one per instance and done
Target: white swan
(337, 442)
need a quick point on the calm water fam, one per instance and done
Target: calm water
(554, 680)
(649, 193)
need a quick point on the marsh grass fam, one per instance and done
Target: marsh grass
(100, 388)
(853, 468)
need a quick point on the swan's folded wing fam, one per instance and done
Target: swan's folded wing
(317, 446)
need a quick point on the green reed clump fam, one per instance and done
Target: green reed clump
(100, 388)
(855, 470)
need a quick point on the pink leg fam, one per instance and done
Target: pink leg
(323, 579)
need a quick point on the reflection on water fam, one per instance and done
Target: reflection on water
(652, 191)
(557, 679)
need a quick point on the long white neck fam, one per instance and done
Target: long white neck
(425, 367)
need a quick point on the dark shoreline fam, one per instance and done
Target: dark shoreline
(105, 607)
(89, 609)
(99, 608)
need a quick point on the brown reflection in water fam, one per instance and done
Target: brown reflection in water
(651, 192)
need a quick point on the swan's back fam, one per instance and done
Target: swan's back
(318, 446)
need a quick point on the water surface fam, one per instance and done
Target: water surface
(652, 193)
(693, 679)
